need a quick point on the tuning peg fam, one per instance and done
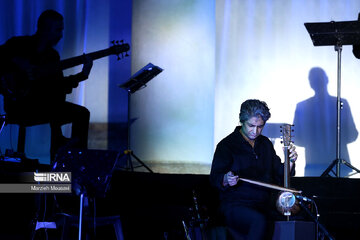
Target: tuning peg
(117, 42)
(122, 54)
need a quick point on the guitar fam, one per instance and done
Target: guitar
(20, 83)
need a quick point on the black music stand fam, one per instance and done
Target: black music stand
(336, 34)
(136, 82)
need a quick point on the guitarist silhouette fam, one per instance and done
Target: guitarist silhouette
(35, 88)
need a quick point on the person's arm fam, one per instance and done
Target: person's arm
(220, 175)
(73, 80)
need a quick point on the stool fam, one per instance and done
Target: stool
(73, 221)
(20, 150)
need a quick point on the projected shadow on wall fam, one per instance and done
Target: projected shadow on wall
(315, 127)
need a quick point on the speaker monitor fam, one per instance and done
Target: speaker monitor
(294, 230)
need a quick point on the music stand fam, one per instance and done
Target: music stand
(336, 34)
(136, 82)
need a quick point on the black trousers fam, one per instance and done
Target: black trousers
(57, 113)
(247, 222)
(77, 115)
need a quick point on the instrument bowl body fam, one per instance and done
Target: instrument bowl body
(287, 203)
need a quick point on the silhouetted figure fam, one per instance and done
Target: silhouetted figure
(315, 127)
(34, 86)
(356, 47)
(356, 51)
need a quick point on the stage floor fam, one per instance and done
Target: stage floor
(151, 204)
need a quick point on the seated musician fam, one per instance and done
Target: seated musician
(245, 153)
(34, 86)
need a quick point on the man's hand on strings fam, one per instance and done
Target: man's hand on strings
(88, 63)
(292, 153)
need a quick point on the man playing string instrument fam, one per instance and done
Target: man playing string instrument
(34, 86)
(246, 153)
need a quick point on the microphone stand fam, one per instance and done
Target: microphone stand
(322, 228)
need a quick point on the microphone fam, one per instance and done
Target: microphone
(302, 198)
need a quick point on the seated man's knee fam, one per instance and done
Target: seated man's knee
(258, 224)
(246, 221)
(83, 112)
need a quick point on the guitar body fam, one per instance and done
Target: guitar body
(14, 86)
(28, 74)
(21, 85)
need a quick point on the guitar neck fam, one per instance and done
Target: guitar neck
(115, 49)
(74, 61)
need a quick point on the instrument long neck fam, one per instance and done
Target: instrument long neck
(286, 168)
(74, 61)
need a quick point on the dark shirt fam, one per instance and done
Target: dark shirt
(260, 163)
(48, 87)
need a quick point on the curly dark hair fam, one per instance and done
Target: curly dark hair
(254, 108)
